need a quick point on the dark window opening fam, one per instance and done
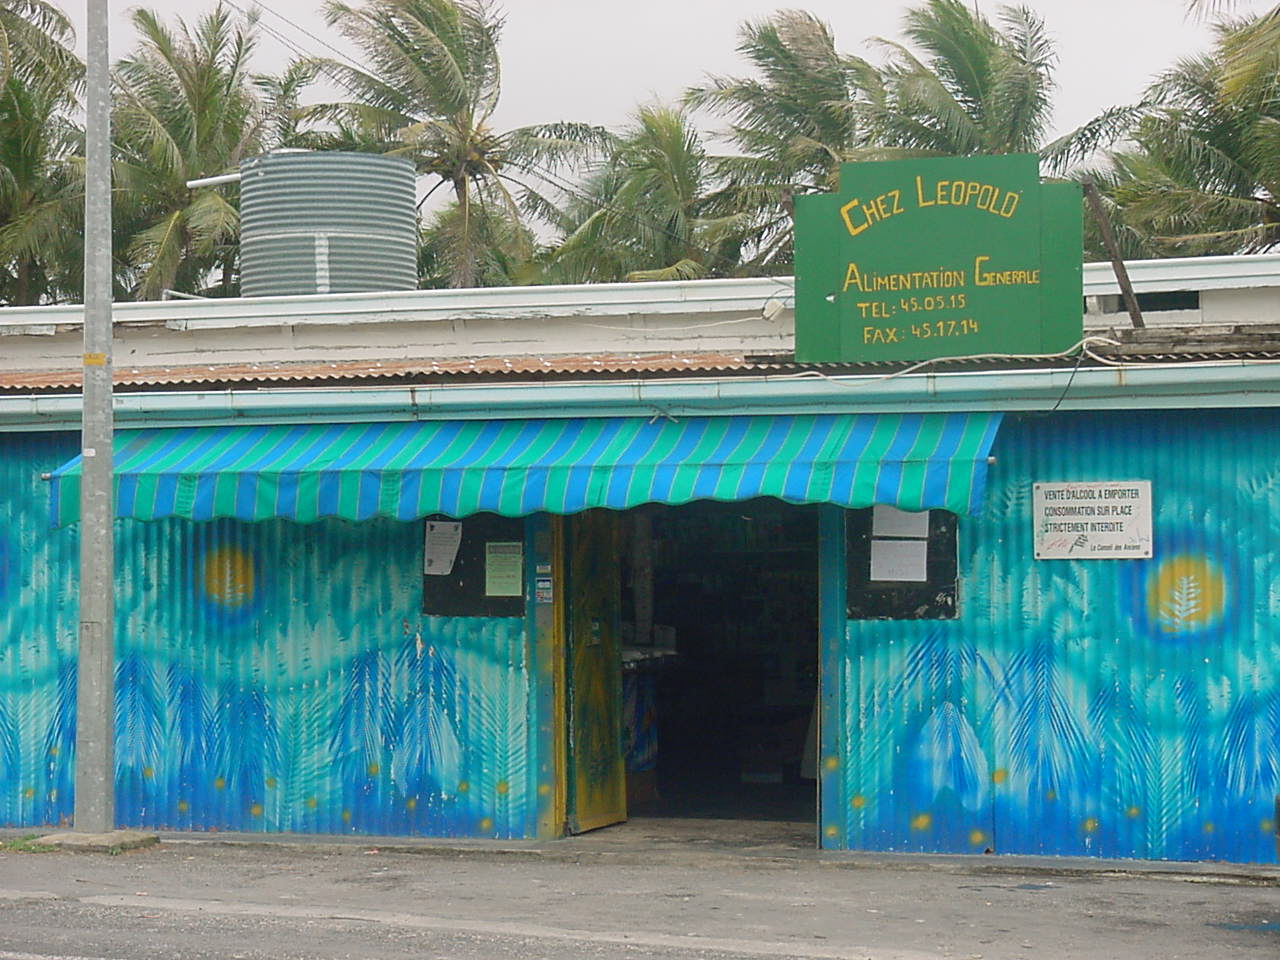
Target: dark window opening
(1169, 300)
(899, 569)
(486, 577)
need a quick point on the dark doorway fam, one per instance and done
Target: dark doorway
(721, 660)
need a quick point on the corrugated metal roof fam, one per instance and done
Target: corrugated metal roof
(483, 367)
(1173, 345)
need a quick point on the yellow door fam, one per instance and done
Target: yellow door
(597, 792)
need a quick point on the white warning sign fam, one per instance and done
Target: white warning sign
(1109, 520)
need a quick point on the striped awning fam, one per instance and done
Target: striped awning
(517, 467)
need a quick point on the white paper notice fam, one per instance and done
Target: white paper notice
(442, 547)
(504, 569)
(904, 561)
(892, 522)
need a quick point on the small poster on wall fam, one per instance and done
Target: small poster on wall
(1107, 520)
(443, 539)
(889, 521)
(504, 569)
(902, 561)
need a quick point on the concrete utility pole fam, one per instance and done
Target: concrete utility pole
(95, 695)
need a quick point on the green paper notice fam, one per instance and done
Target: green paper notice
(504, 569)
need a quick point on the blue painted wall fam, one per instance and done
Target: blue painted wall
(270, 676)
(1111, 708)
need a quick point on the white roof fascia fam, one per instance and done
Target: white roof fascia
(701, 300)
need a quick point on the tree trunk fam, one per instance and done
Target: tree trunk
(464, 266)
(22, 287)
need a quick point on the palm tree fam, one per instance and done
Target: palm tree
(186, 108)
(1249, 54)
(1204, 176)
(41, 193)
(501, 251)
(645, 213)
(430, 94)
(792, 124)
(41, 188)
(973, 87)
(35, 43)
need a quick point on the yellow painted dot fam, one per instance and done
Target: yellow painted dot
(373, 769)
(1051, 795)
(148, 773)
(183, 806)
(922, 821)
(29, 792)
(411, 803)
(831, 763)
(1090, 825)
(858, 801)
(312, 803)
(502, 787)
(463, 786)
(1133, 813)
(229, 579)
(544, 789)
(977, 838)
(1000, 776)
(255, 810)
(1209, 827)
(219, 784)
(1187, 593)
(271, 783)
(1268, 826)
(53, 751)
(486, 825)
(833, 831)
(346, 816)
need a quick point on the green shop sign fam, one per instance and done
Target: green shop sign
(940, 257)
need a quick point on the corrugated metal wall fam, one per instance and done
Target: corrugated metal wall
(1111, 708)
(37, 637)
(270, 676)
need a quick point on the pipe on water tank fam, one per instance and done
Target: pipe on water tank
(213, 181)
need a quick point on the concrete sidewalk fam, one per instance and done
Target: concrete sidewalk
(673, 841)
(652, 890)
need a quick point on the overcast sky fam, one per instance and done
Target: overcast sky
(594, 60)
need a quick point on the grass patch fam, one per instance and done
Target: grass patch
(25, 844)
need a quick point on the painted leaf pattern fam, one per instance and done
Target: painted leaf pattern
(1121, 708)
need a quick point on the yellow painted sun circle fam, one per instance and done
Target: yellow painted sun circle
(229, 578)
(922, 821)
(1186, 594)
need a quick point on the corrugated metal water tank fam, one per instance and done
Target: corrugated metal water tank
(327, 222)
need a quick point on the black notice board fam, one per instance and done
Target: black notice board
(461, 593)
(935, 599)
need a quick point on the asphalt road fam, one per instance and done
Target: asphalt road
(192, 902)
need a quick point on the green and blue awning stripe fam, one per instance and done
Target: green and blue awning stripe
(407, 470)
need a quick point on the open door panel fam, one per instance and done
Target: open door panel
(597, 792)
